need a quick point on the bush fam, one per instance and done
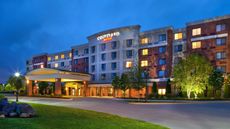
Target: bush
(2, 96)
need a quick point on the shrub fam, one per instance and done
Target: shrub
(2, 96)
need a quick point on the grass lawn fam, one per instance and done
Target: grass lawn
(52, 117)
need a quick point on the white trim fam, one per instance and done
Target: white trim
(209, 37)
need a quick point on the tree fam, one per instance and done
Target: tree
(216, 81)
(18, 83)
(154, 89)
(116, 83)
(124, 83)
(191, 74)
(227, 86)
(137, 79)
(168, 87)
(43, 87)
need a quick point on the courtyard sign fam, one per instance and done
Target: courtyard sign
(108, 37)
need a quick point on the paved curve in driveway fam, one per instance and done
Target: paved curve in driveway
(211, 115)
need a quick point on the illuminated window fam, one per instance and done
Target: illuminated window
(145, 52)
(144, 41)
(178, 36)
(196, 31)
(128, 64)
(49, 58)
(144, 63)
(56, 57)
(196, 45)
(42, 66)
(70, 55)
(161, 91)
(62, 56)
(56, 65)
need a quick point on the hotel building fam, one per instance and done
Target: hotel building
(113, 52)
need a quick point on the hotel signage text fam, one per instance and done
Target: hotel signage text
(108, 37)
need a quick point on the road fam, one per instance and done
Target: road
(196, 115)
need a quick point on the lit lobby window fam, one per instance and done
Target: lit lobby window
(56, 65)
(62, 56)
(56, 57)
(196, 45)
(144, 41)
(42, 66)
(128, 64)
(161, 91)
(70, 55)
(145, 52)
(178, 36)
(144, 63)
(49, 58)
(196, 31)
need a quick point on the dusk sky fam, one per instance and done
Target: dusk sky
(29, 27)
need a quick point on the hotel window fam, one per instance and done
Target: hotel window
(93, 49)
(114, 55)
(145, 52)
(103, 47)
(62, 56)
(49, 58)
(56, 57)
(113, 75)
(221, 68)
(129, 53)
(161, 91)
(56, 65)
(196, 44)
(103, 76)
(86, 69)
(196, 31)
(162, 49)
(76, 52)
(129, 42)
(161, 73)
(113, 65)
(220, 27)
(93, 77)
(178, 36)
(220, 41)
(144, 63)
(162, 61)
(103, 57)
(62, 64)
(114, 44)
(49, 65)
(178, 48)
(103, 67)
(220, 55)
(128, 64)
(162, 37)
(144, 41)
(86, 51)
(93, 67)
(70, 55)
(92, 59)
(86, 60)
(75, 61)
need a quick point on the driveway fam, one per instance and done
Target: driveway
(198, 115)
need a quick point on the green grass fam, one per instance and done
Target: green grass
(53, 117)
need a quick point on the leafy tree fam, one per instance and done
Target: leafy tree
(216, 80)
(8, 87)
(18, 83)
(116, 83)
(43, 87)
(227, 86)
(154, 89)
(168, 87)
(124, 83)
(191, 74)
(137, 79)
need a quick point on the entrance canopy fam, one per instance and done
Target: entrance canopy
(50, 75)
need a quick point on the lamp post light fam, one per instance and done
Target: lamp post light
(17, 74)
(146, 73)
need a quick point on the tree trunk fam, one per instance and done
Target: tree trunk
(16, 95)
(138, 95)
(222, 91)
(195, 95)
(188, 94)
(124, 93)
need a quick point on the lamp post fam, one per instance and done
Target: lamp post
(17, 74)
(146, 73)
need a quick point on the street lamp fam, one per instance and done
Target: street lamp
(17, 74)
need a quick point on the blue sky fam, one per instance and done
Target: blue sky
(29, 27)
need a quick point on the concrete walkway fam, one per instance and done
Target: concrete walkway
(196, 115)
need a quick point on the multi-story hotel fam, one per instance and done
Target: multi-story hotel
(113, 52)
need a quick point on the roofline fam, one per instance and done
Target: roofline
(113, 29)
(80, 45)
(157, 30)
(208, 20)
